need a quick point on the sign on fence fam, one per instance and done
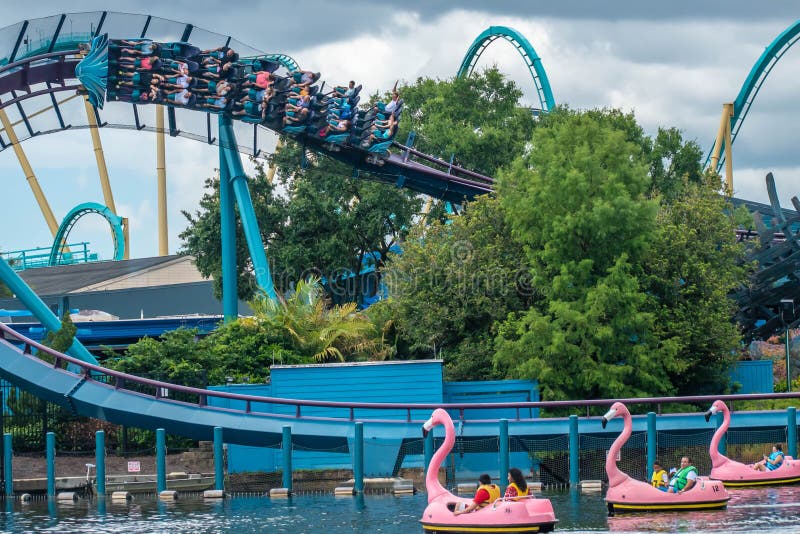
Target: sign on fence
(134, 467)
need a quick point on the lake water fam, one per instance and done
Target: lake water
(774, 510)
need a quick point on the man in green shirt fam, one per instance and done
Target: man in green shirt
(685, 478)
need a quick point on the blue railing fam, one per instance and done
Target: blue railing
(31, 258)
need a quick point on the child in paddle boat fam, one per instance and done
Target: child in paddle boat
(771, 462)
(517, 486)
(660, 479)
(685, 478)
(487, 493)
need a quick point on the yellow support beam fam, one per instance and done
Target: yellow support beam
(161, 170)
(272, 167)
(729, 150)
(724, 140)
(102, 170)
(44, 206)
(126, 234)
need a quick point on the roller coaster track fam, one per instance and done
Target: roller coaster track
(23, 79)
(114, 221)
(89, 390)
(525, 49)
(753, 83)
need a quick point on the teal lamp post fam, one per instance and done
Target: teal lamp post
(787, 315)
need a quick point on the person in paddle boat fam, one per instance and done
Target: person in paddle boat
(771, 462)
(685, 478)
(660, 479)
(487, 493)
(517, 486)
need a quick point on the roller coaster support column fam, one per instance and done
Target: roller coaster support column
(428, 451)
(161, 170)
(102, 170)
(219, 468)
(503, 446)
(358, 459)
(723, 443)
(29, 175)
(574, 449)
(230, 296)
(724, 140)
(100, 462)
(8, 455)
(238, 180)
(39, 309)
(286, 454)
(50, 445)
(791, 433)
(652, 443)
(161, 460)
(273, 166)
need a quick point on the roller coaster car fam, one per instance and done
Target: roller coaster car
(265, 65)
(178, 50)
(281, 85)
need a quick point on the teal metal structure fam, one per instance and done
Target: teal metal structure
(50, 451)
(100, 462)
(219, 468)
(525, 49)
(652, 443)
(752, 84)
(86, 208)
(93, 70)
(231, 170)
(40, 310)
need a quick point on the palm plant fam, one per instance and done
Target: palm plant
(316, 331)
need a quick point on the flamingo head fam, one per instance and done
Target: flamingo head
(616, 409)
(437, 418)
(718, 406)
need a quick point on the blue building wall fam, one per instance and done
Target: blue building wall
(395, 382)
(754, 376)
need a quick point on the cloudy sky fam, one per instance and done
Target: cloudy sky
(671, 63)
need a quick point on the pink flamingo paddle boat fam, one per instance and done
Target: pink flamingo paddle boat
(736, 474)
(626, 494)
(527, 514)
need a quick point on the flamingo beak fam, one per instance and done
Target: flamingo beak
(608, 417)
(426, 427)
(711, 412)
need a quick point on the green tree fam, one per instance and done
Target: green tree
(478, 118)
(326, 223)
(177, 357)
(202, 238)
(315, 330)
(693, 267)
(453, 281)
(577, 202)
(335, 219)
(61, 339)
(674, 164)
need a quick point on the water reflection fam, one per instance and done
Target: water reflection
(757, 509)
(773, 509)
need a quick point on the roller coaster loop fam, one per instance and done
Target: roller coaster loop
(72, 217)
(525, 49)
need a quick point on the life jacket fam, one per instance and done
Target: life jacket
(493, 491)
(680, 477)
(657, 479)
(774, 456)
(520, 493)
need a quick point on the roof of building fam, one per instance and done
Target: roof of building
(62, 279)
